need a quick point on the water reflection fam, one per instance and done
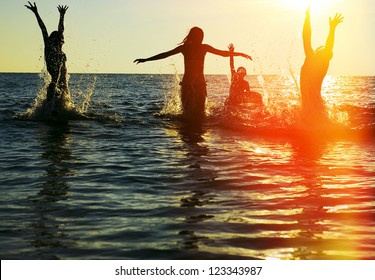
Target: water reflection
(200, 177)
(298, 199)
(308, 244)
(323, 226)
(48, 225)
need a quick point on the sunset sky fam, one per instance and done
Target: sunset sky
(106, 36)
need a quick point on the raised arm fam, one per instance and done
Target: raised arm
(62, 10)
(160, 55)
(226, 53)
(34, 9)
(231, 60)
(306, 34)
(331, 36)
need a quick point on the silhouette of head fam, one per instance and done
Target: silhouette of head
(241, 71)
(195, 36)
(56, 38)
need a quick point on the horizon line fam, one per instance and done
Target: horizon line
(149, 73)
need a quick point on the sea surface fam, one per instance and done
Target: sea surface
(127, 179)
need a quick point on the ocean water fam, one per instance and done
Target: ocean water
(126, 179)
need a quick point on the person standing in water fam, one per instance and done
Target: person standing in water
(314, 70)
(193, 85)
(54, 56)
(239, 87)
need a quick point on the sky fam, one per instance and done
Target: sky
(106, 36)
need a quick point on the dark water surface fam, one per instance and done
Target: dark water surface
(129, 182)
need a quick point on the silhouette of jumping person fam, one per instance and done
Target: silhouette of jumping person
(193, 85)
(54, 56)
(314, 70)
(239, 87)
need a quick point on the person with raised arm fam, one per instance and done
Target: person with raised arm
(193, 84)
(54, 57)
(239, 87)
(314, 69)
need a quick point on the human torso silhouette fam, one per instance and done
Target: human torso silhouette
(313, 72)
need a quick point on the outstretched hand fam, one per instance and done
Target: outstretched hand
(231, 47)
(336, 20)
(34, 9)
(139, 60)
(62, 9)
(247, 56)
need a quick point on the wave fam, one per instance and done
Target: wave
(288, 120)
(121, 99)
(65, 105)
